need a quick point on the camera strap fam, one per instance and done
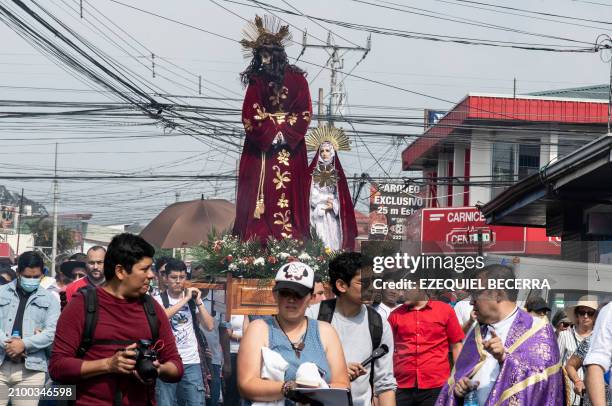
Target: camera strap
(91, 320)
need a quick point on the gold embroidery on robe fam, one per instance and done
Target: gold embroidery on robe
(292, 119)
(281, 177)
(283, 157)
(247, 124)
(283, 219)
(283, 202)
(262, 114)
(278, 118)
(277, 98)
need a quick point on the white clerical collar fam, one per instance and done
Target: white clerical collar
(502, 327)
(506, 319)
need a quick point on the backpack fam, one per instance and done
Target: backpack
(375, 325)
(91, 320)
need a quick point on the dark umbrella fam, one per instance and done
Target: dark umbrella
(187, 224)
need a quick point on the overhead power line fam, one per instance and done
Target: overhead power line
(436, 37)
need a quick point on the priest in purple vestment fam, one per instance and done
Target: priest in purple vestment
(509, 358)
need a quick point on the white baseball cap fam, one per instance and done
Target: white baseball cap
(295, 276)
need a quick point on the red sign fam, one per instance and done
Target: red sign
(538, 243)
(5, 250)
(464, 230)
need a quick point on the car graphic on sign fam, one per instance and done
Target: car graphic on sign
(467, 238)
(379, 228)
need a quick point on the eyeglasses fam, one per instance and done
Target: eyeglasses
(582, 313)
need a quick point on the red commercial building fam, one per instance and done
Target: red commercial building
(488, 142)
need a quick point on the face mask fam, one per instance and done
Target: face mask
(29, 284)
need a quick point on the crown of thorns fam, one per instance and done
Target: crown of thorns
(264, 32)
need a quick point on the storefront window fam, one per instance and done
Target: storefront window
(529, 160)
(502, 167)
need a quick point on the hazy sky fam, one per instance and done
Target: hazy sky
(442, 70)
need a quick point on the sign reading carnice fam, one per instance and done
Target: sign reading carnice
(464, 230)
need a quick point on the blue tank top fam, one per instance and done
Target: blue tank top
(313, 350)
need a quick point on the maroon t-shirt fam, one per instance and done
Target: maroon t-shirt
(118, 319)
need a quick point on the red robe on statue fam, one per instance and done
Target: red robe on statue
(274, 174)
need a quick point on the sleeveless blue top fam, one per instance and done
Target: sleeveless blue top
(313, 350)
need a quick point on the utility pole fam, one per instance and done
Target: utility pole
(336, 64)
(604, 42)
(55, 199)
(320, 112)
(19, 221)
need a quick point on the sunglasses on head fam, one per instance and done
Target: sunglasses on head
(583, 313)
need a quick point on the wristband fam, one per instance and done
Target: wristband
(287, 386)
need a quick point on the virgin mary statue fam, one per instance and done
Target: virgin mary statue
(331, 210)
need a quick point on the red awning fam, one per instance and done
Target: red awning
(506, 108)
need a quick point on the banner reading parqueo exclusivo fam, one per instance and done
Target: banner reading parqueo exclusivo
(391, 205)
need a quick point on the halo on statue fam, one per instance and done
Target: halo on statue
(264, 32)
(335, 136)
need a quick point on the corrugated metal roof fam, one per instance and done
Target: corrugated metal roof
(595, 92)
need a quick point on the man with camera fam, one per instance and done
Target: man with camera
(113, 341)
(183, 306)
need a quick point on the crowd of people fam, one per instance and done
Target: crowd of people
(128, 331)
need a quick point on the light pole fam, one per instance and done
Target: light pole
(604, 43)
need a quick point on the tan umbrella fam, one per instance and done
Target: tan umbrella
(187, 224)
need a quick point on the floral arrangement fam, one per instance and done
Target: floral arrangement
(252, 260)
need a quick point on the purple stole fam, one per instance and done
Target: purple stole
(530, 375)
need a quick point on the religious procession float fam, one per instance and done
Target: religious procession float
(286, 209)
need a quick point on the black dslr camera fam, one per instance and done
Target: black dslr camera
(145, 357)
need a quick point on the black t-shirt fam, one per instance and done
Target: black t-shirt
(23, 299)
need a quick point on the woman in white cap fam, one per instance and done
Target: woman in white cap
(295, 337)
(582, 316)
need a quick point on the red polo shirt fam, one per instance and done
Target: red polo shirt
(421, 339)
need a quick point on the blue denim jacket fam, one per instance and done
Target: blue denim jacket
(41, 312)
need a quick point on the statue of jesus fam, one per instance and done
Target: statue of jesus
(272, 198)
